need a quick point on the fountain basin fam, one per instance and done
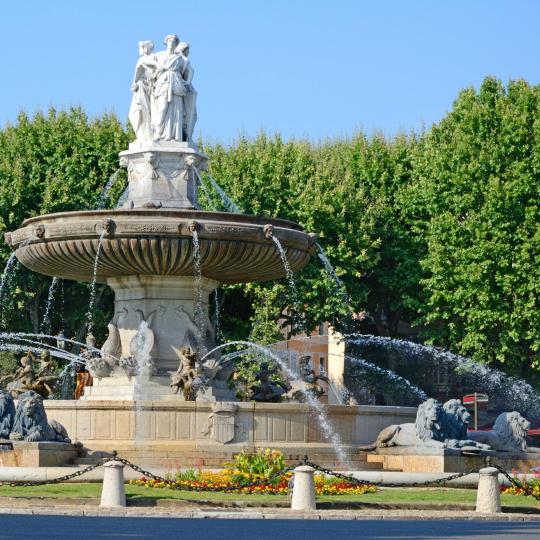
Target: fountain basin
(194, 433)
(234, 247)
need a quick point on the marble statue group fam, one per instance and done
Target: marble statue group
(163, 106)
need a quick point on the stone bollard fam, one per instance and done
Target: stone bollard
(113, 494)
(488, 496)
(303, 496)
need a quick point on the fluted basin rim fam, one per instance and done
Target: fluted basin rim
(234, 248)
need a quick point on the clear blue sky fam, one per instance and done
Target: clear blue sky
(301, 67)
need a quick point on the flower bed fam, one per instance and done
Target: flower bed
(252, 474)
(528, 488)
(222, 481)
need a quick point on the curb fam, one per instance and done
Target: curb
(264, 514)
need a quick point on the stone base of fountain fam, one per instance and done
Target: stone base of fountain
(187, 433)
(36, 454)
(147, 388)
(425, 459)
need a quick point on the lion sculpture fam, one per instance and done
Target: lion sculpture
(508, 435)
(455, 423)
(426, 431)
(30, 421)
(7, 413)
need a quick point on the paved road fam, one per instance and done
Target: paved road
(97, 528)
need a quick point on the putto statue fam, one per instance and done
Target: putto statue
(163, 106)
(309, 382)
(31, 376)
(266, 390)
(187, 378)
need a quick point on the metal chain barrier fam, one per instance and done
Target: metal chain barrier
(261, 481)
(357, 481)
(60, 479)
(528, 491)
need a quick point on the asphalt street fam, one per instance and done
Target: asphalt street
(86, 527)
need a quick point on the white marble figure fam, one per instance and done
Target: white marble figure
(141, 102)
(190, 99)
(169, 92)
(163, 106)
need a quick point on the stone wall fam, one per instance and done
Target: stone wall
(172, 432)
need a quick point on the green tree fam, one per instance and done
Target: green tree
(473, 203)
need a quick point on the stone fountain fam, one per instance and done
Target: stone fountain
(163, 256)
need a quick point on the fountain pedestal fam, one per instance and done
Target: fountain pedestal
(163, 174)
(168, 304)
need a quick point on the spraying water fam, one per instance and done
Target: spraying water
(384, 376)
(340, 287)
(229, 204)
(90, 312)
(104, 195)
(27, 337)
(324, 423)
(516, 394)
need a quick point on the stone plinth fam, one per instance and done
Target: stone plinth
(36, 454)
(423, 459)
(163, 175)
(187, 433)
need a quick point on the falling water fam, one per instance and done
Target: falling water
(229, 204)
(198, 299)
(62, 302)
(516, 393)
(90, 312)
(332, 274)
(292, 285)
(104, 195)
(217, 315)
(324, 423)
(46, 323)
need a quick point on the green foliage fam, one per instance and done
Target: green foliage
(54, 162)
(8, 363)
(264, 463)
(473, 204)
